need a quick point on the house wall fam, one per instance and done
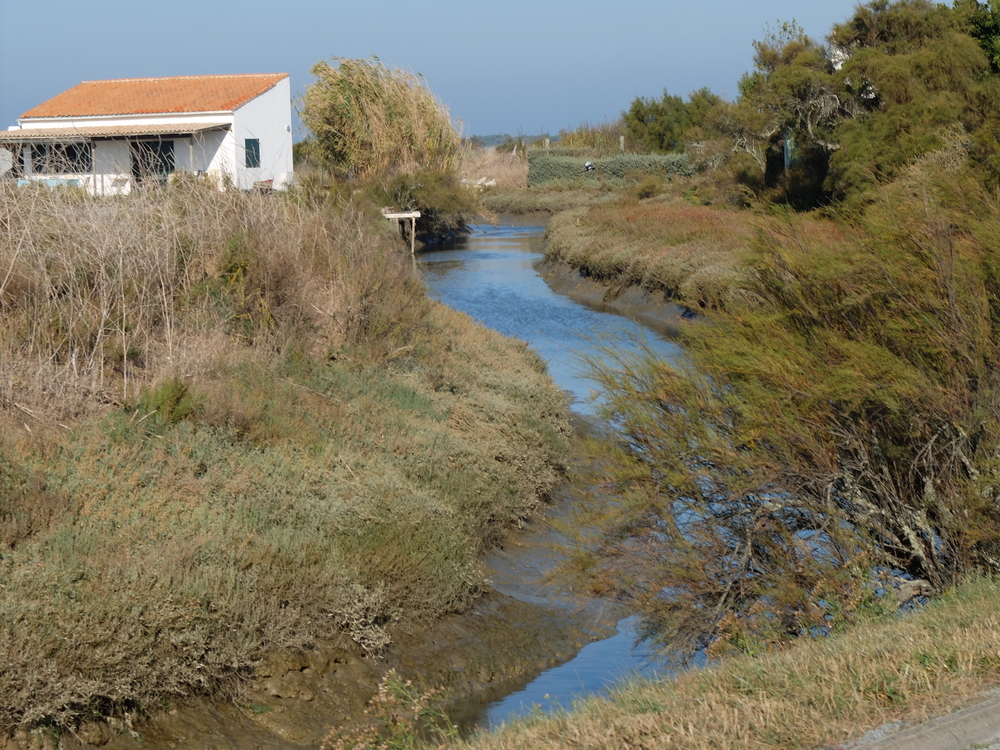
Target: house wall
(269, 119)
(112, 167)
(157, 119)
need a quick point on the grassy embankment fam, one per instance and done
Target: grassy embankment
(691, 253)
(813, 694)
(229, 424)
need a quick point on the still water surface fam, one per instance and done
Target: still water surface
(491, 276)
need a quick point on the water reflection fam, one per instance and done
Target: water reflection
(491, 276)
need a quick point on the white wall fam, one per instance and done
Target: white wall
(269, 119)
(113, 165)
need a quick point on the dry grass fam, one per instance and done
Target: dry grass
(811, 695)
(232, 423)
(102, 298)
(489, 168)
(602, 139)
(692, 253)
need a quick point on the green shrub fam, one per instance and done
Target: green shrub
(446, 206)
(648, 188)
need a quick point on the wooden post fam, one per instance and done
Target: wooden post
(399, 217)
(546, 144)
(621, 142)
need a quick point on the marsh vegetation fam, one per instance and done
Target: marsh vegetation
(231, 423)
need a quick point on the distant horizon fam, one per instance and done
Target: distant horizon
(523, 68)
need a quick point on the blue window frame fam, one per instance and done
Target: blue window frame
(252, 150)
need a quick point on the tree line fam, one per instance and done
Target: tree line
(819, 123)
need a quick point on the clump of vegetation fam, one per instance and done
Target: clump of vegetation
(366, 118)
(398, 717)
(665, 126)
(837, 421)
(385, 132)
(600, 140)
(446, 206)
(232, 423)
(692, 253)
(837, 418)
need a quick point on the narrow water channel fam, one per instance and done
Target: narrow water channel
(491, 275)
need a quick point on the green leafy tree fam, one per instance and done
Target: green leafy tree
(914, 72)
(788, 108)
(661, 126)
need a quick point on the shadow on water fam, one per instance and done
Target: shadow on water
(492, 276)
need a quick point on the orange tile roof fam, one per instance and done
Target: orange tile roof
(128, 96)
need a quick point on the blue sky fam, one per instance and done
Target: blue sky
(510, 67)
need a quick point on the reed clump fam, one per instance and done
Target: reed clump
(366, 118)
(232, 423)
(599, 140)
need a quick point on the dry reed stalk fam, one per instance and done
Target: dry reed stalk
(487, 167)
(369, 119)
(99, 296)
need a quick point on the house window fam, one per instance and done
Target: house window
(62, 158)
(39, 159)
(253, 153)
(152, 161)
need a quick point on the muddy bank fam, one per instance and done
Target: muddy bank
(520, 628)
(651, 308)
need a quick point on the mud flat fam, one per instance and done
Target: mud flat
(651, 308)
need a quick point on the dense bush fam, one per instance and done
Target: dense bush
(837, 424)
(663, 126)
(446, 205)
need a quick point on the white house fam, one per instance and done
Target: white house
(114, 136)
